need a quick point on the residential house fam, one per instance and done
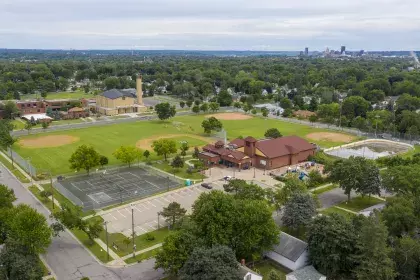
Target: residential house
(306, 273)
(264, 153)
(290, 252)
(114, 101)
(75, 113)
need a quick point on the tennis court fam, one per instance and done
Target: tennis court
(104, 188)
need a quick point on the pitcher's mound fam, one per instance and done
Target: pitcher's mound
(330, 136)
(48, 141)
(230, 116)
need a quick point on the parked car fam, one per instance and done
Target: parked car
(207, 186)
(227, 178)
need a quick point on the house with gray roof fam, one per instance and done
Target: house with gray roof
(306, 273)
(290, 252)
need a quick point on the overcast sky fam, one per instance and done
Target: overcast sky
(210, 24)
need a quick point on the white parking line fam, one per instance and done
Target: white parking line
(144, 206)
(138, 209)
(121, 213)
(140, 228)
(158, 201)
(152, 227)
(165, 199)
(129, 212)
(151, 204)
(113, 216)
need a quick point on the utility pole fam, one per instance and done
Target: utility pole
(132, 229)
(341, 108)
(107, 247)
(158, 220)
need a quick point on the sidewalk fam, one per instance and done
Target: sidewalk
(143, 251)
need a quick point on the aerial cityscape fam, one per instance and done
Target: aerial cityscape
(209, 140)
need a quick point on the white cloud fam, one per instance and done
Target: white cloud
(210, 24)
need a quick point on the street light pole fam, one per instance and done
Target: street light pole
(107, 247)
(132, 229)
(158, 220)
(30, 169)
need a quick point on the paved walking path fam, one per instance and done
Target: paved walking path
(103, 246)
(347, 210)
(143, 251)
(321, 187)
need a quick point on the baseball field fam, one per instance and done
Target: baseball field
(51, 151)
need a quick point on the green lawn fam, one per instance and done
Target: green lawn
(180, 172)
(144, 256)
(140, 241)
(19, 125)
(13, 169)
(44, 268)
(336, 210)
(59, 95)
(326, 189)
(106, 139)
(359, 203)
(62, 122)
(264, 268)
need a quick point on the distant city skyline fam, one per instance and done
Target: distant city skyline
(266, 25)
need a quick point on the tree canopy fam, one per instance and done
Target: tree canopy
(85, 157)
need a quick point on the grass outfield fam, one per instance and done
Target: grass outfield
(106, 139)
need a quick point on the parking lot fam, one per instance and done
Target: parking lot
(145, 211)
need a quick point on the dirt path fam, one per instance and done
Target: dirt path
(330, 136)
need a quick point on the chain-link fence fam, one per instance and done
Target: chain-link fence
(24, 163)
(368, 132)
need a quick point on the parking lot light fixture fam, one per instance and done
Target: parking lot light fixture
(132, 229)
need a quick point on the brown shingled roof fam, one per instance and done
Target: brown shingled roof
(238, 142)
(273, 148)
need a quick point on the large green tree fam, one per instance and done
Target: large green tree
(400, 216)
(211, 124)
(332, 246)
(175, 251)
(128, 154)
(85, 157)
(30, 229)
(374, 258)
(173, 213)
(7, 197)
(165, 111)
(217, 262)
(273, 133)
(164, 147)
(246, 226)
(299, 210)
(403, 179)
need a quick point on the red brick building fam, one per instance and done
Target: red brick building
(264, 153)
(27, 107)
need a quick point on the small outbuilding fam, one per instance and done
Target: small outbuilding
(290, 252)
(306, 273)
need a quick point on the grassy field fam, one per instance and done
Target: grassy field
(180, 172)
(264, 268)
(59, 95)
(412, 152)
(106, 139)
(336, 210)
(141, 241)
(143, 256)
(326, 189)
(359, 203)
